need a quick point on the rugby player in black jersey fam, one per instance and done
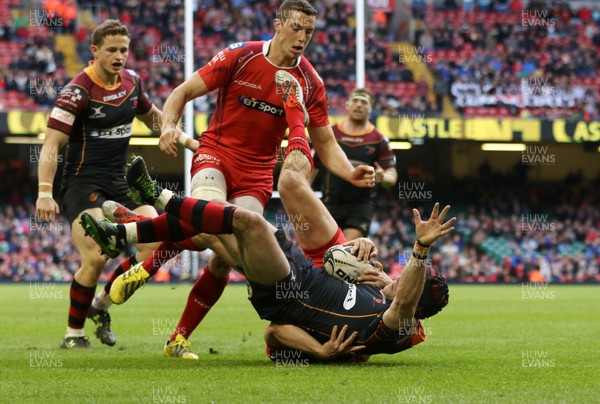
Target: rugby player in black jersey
(378, 320)
(93, 116)
(352, 207)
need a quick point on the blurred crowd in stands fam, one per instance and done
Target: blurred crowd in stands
(539, 60)
(492, 58)
(508, 231)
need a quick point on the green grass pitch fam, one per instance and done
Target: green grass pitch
(514, 344)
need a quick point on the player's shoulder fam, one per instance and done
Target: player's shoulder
(81, 81)
(337, 130)
(129, 75)
(310, 72)
(375, 135)
(380, 135)
(75, 95)
(245, 48)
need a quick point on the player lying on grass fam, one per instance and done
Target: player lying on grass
(316, 232)
(272, 263)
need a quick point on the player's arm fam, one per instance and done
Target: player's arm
(336, 161)
(153, 120)
(410, 284)
(387, 178)
(46, 207)
(385, 166)
(292, 337)
(187, 91)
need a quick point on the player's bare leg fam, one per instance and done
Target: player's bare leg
(207, 184)
(98, 312)
(83, 285)
(312, 222)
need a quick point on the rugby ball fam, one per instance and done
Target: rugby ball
(339, 262)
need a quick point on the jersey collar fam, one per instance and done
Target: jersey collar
(89, 70)
(265, 52)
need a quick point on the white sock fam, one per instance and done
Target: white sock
(75, 332)
(102, 301)
(131, 233)
(163, 199)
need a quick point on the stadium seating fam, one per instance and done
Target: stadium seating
(332, 50)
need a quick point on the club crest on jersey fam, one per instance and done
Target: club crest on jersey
(98, 112)
(261, 106)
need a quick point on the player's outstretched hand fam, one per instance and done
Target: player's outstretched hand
(363, 177)
(434, 228)
(168, 141)
(363, 248)
(337, 346)
(46, 209)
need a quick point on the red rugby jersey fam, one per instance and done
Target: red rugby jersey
(249, 121)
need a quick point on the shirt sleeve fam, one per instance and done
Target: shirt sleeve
(69, 105)
(219, 71)
(144, 104)
(386, 158)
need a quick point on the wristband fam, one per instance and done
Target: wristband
(45, 184)
(420, 252)
(45, 195)
(422, 244)
(419, 256)
(183, 138)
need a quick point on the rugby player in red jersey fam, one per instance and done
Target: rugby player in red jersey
(93, 116)
(264, 88)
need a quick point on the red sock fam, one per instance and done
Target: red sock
(301, 144)
(295, 120)
(164, 253)
(81, 300)
(297, 136)
(123, 266)
(205, 293)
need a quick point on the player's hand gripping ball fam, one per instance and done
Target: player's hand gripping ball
(339, 262)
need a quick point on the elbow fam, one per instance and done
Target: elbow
(270, 336)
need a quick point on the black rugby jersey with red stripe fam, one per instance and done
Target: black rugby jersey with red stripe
(98, 120)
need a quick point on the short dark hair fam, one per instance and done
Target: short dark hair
(108, 27)
(295, 5)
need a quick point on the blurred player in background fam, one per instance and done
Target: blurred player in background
(93, 116)
(264, 88)
(352, 207)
